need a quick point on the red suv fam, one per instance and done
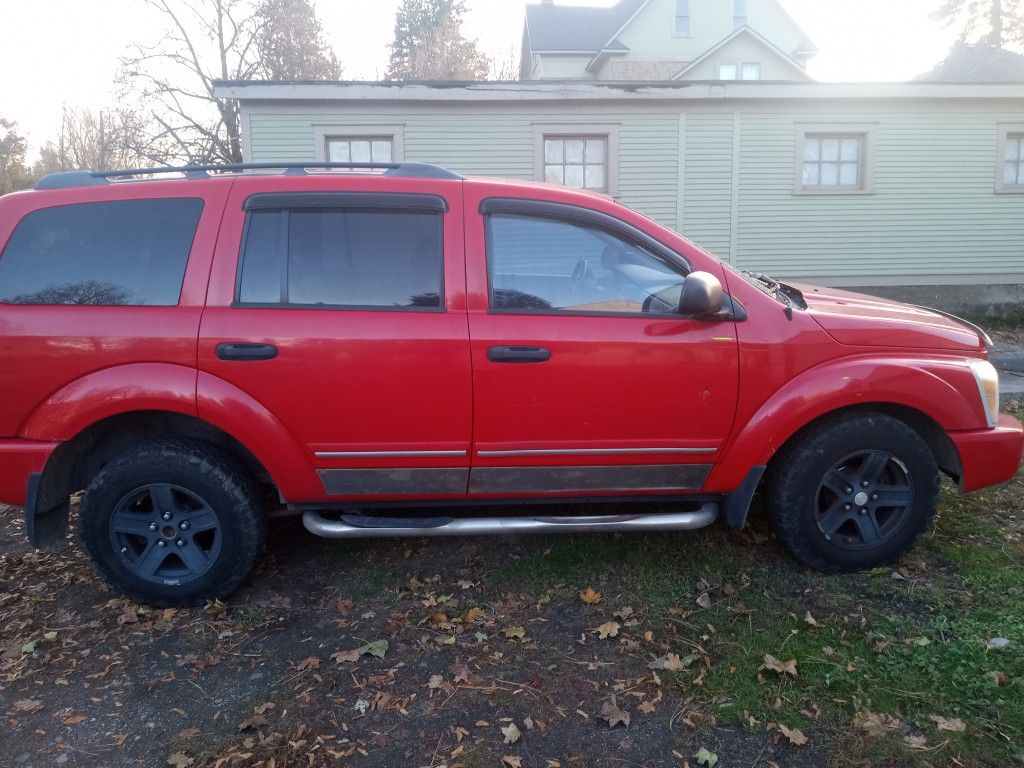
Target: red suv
(393, 351)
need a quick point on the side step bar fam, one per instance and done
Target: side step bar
(351, 526)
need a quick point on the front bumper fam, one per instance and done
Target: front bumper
(990, 456)
(19, 459)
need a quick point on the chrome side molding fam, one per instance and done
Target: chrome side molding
(350, 526)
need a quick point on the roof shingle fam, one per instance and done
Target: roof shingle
(577, 28)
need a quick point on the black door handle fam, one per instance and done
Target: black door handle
(242, 352)
(518, 354)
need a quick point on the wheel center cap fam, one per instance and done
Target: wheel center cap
(860, 499)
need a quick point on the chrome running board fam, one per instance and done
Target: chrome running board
(351, 526)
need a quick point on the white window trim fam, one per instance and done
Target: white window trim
(1002, 188)
(324, 133)
(867, 185)
(585, 130)
(675, 16)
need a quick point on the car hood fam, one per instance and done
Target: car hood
(859, 320)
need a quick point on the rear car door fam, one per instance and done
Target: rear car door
(340, 309)
(588, 382)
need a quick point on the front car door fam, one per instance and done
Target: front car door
(340, 309)
(587, 381)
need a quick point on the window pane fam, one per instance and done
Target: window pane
(1020, 173)
(262, 261)
(1013, 147)
(543, 264)
(595, 177)
(381, 151)
(554, 174)
(131, 252)
(339, 151)
(361, 151)
(812, 174)
(829, 174)
(812, 150)
(553, 151)
(850, 149)
(682, 17)
(574, 176)
(726, 71)
(363, 258)
(595, 150)
(574, 150)
(848, 174)
(751, 71)
(830, 149)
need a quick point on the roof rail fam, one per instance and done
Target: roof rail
(71, 179)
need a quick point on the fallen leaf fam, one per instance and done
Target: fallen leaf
(514, 633)
(473, 615)
(609, 629)
(345, 656)
(624, 613)
(781, 667)
(671, 662)
(377, 648)
(460, 733)
(875, 722)
(512, 762)
(704, 757)
(916, 742)
(28, 706)
(590, 596)
(74, 719)
(312, 662)
(648, 707)
(29, 647)
(180, 760)
(704, 601)
(956, 725)
(998, 678)
(436, 681)
(811, 621)
(796, 736)
(611, 712)
(511, 733)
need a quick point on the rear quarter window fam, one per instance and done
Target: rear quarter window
(125, 252)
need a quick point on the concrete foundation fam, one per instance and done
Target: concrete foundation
(994, 302)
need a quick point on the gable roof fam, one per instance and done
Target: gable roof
(977, 64)
(578, 29)
(743, 32)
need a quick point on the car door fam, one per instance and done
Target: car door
(339, 307)
(587, 380)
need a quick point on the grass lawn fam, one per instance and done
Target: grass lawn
(494, 658)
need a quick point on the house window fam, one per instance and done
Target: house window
(834, 159)
(360, 149)
(682, 25)
(739, 14)
(1011, 168)
(735, 71)
(577, 161)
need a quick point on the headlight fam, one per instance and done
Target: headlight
(988, 385)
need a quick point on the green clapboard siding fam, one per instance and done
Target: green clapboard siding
(729, 175)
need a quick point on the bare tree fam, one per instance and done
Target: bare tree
(994, 22)
(204, 41)
(429, 43)
(90, 140)
(13, 173)
(291, 42)
(505, 66)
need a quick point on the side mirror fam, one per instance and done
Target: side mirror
(702, 295)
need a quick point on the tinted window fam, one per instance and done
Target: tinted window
(131, 252)
(544, 264)
(343, 258)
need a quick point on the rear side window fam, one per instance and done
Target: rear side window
(343, 258)
(125, 252)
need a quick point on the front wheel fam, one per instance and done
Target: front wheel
(853, 493)
(172, 523)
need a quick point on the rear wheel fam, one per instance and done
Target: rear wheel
(853, 493)
(172, 523)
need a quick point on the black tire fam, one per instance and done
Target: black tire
(121, 523)
(834, 531)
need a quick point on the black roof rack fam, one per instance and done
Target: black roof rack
(71, 179)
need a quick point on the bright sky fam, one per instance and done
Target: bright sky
(59, 52)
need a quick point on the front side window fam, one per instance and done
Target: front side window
(577, 161)
(354, 258)
(833, 162)
(739, 14)
(727, 71)
(752, 71)
(360, 149)
(682, 22)
(124, 252)
(1013, 162)
(736, 71)
(547, 265)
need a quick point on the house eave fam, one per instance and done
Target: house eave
(584, 91)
